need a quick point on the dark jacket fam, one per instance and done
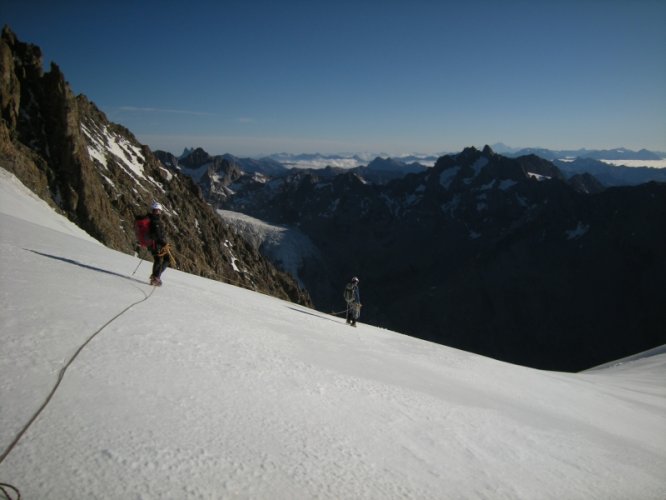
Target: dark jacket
(156, 232)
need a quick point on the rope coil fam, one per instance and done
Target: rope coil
(166, 250)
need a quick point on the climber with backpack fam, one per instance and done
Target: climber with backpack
(150, 234)
(352, 297)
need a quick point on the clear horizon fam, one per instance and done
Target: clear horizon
(255, 77)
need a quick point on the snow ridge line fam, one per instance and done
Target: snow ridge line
(61, 374)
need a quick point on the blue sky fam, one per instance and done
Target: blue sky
(256, 77)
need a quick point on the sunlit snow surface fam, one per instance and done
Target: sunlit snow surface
(202, 390)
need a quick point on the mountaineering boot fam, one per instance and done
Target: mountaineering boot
(155, 281)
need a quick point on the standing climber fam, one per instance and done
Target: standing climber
(353, 299)
(156, 233)
(150, 233)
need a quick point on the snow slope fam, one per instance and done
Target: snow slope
(199, 389)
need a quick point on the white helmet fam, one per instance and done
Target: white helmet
(354, 279)
(156, 206)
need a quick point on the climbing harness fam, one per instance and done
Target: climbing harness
(166, 250)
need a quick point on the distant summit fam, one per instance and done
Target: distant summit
(186, 152)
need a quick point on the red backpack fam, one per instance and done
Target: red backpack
(142, 230)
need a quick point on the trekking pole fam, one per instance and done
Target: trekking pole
(137, 267)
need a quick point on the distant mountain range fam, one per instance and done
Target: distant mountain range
(612, 175)
(509, 257)
(350, 160)
(381, 169)
(596, 154)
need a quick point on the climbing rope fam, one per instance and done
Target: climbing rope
(55, 387)
(166, 250)
(3, 489)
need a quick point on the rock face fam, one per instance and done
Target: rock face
(98, 175)
(494, 255)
